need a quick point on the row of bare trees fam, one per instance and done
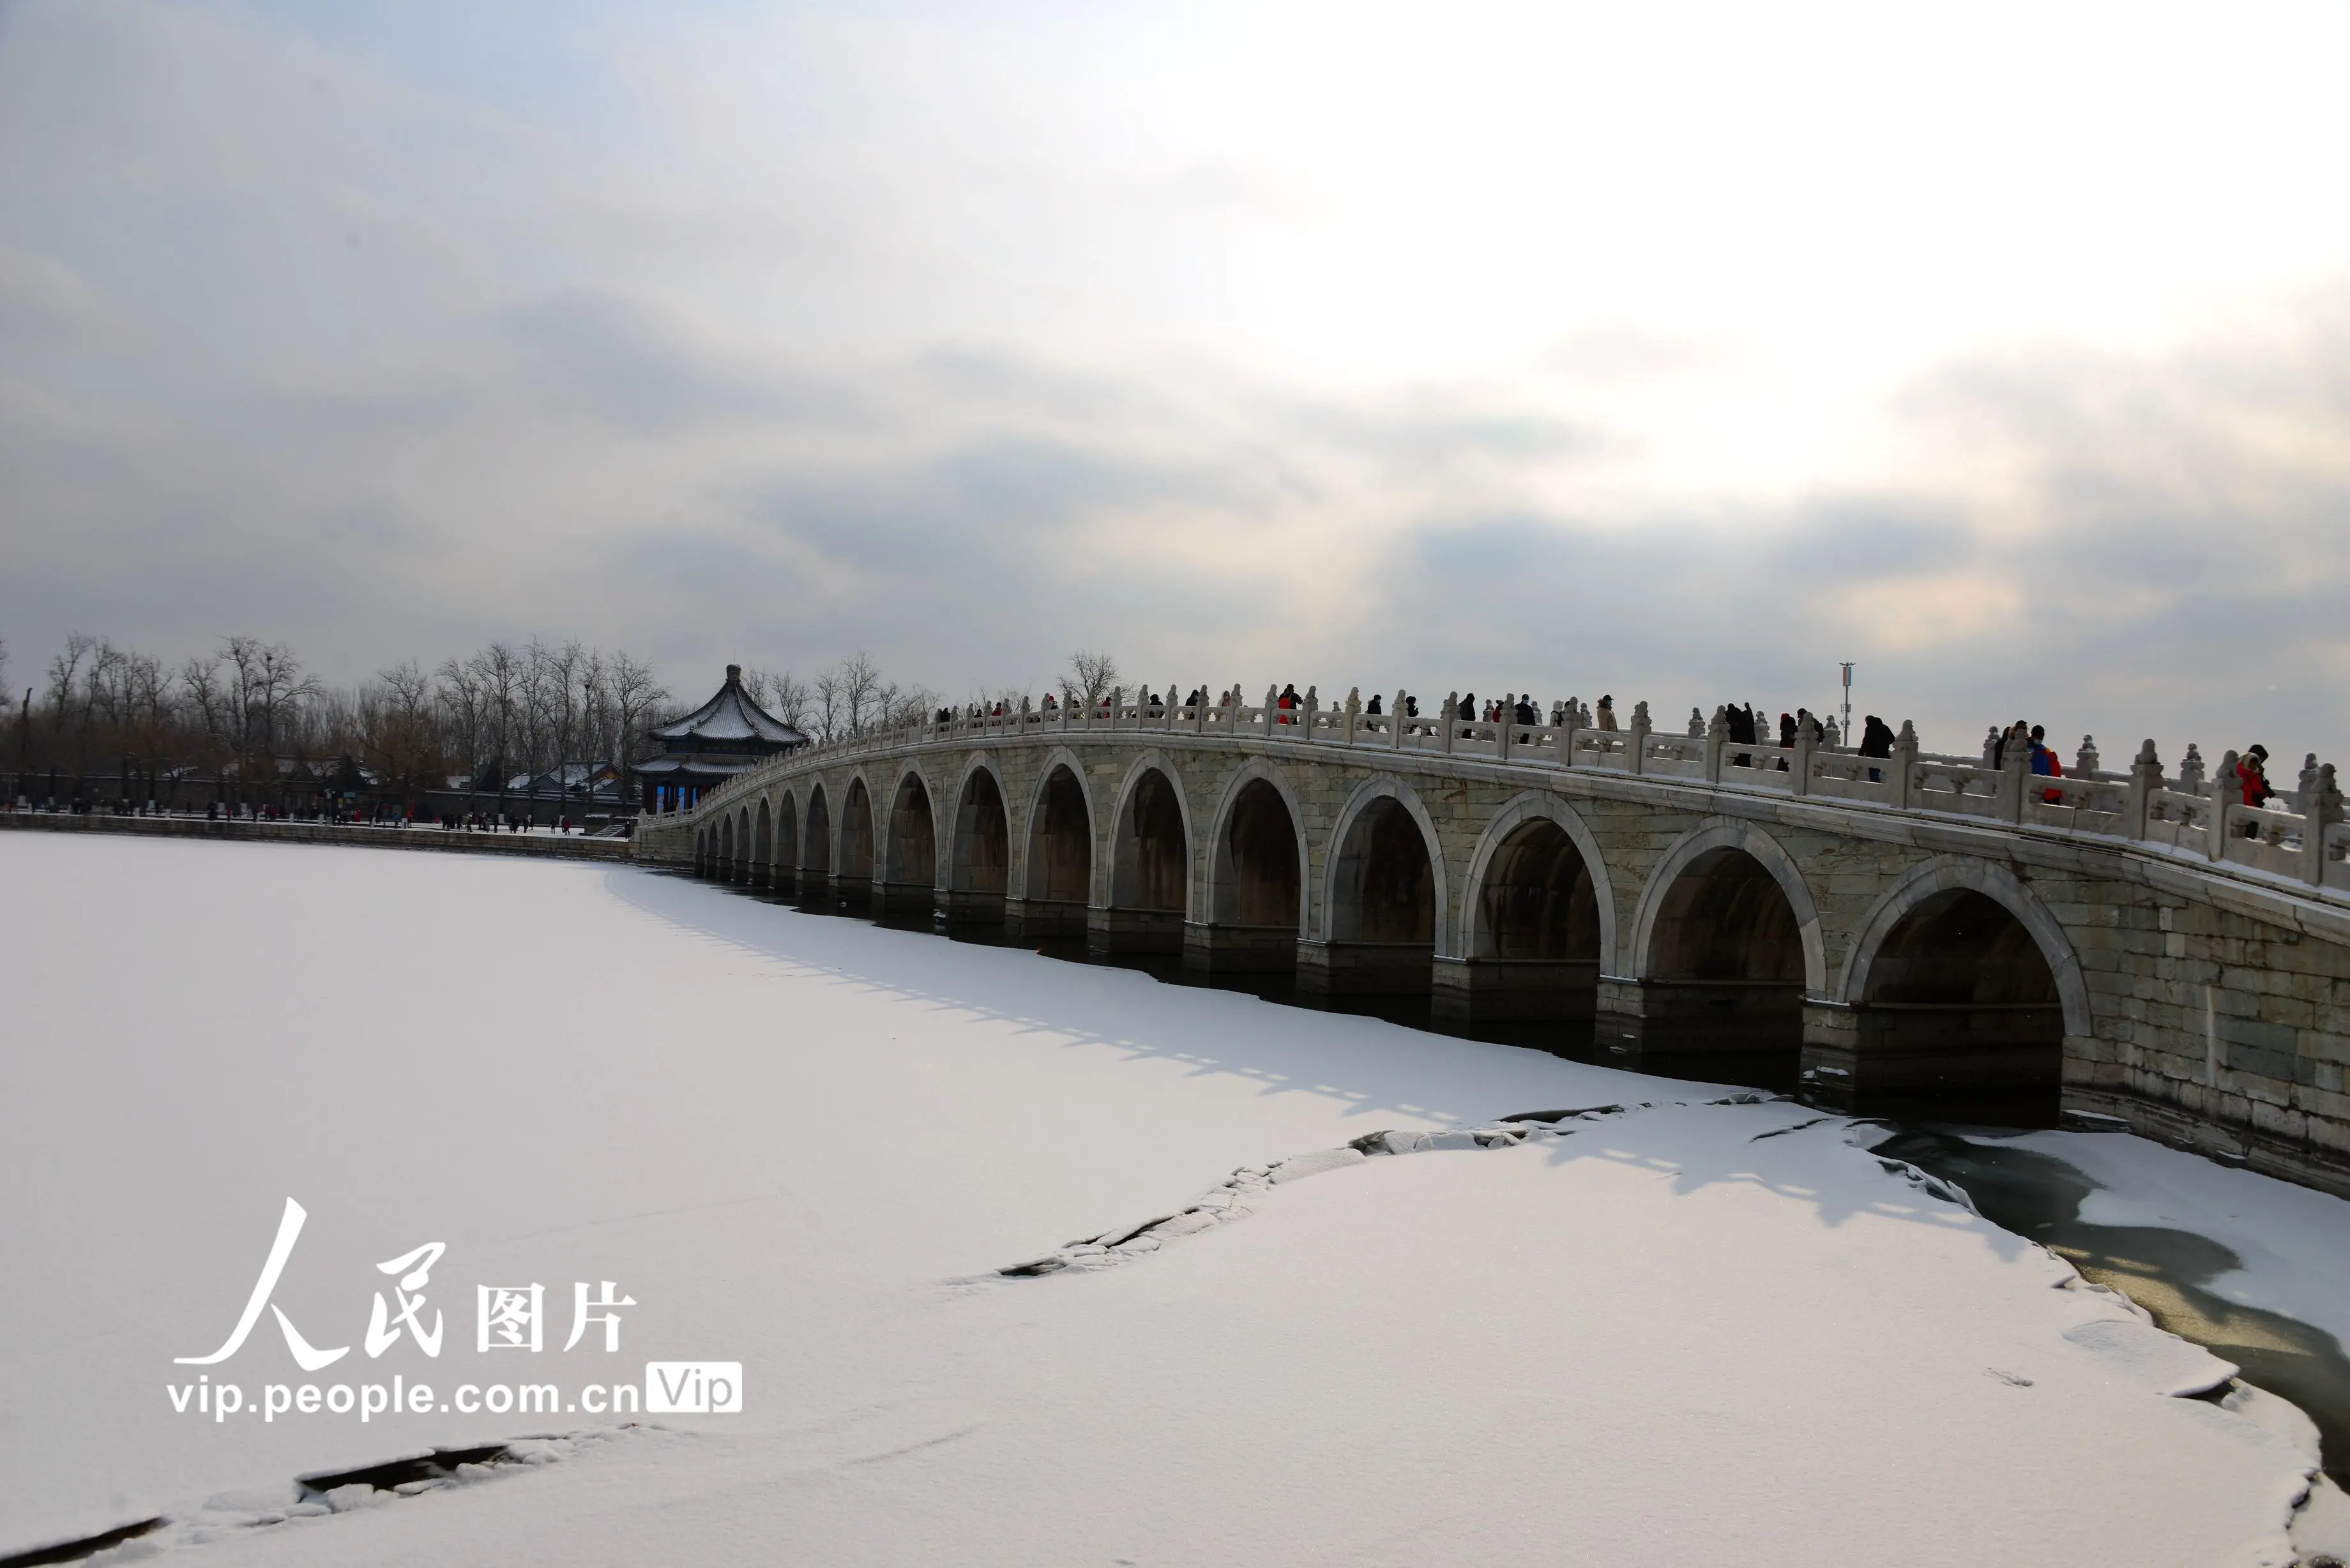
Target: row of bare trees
(235, 719)
(845, 699)
(241, 716)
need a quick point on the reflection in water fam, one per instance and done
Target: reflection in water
(2032, 1194)
(2167, 1271)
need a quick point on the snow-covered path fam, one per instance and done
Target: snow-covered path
(1690, 1333)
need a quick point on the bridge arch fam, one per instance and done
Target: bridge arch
(1726, 948)
(909, 862)
(763, 845)
(852, 860)
(1055, 876)
(1254, 906)
(725, 870)
(1709, 838)
(1958, 994)
(702, 852)
(815, 836)
(787, 839)
(1386, 911)
(1537, 919)
(1509, 826)
(979, 845)
(1149, 870)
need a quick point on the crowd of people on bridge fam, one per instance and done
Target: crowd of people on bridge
(1746, 726)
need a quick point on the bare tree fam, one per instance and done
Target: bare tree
(896, 706)
(464, 716)
(632, 691)
(1088, 678)
(831, 703)
(786, 696)
(267, 684)
(864, 694)
(399, 730)
(499, 674)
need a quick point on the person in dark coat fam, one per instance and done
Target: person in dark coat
(1875, 741)
(1741, 720)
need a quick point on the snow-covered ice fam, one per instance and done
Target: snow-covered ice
(2292, 1245)
(1685, 1330)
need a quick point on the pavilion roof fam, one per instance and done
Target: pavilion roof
(732, 719)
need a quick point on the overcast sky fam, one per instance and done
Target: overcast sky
(1673, 351)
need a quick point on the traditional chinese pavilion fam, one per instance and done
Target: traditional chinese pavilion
(709, 745)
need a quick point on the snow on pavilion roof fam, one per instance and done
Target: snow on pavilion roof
(731, 717)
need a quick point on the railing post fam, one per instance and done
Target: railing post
(1451, 718)
(1804, 746)
(1905, 765)
(2321, 809)
(1272, 713)
(1716, 733)
(2016, 766)
(2145, 778)
(1395, 721)
(1354, 710)
(1639, 737)
(1509, 722)
(1312, 705)
(2223, 783)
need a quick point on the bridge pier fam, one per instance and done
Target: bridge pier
(1516, 991)
(1120, 933)
(968, 908)
(1039, 919)
(1995, 1062)
(1748, 1030)
(1212, 948)
(1337, 971)
(905, 901)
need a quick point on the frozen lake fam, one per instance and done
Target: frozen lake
(1682, 1332)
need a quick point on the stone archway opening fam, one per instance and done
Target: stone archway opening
(1253, 924)
(723, 869)
(1958, 1019)
(852, 879)
(1382, 918)
(982, 853)
(815, 848)
(1723, 990)
(1060, 862)
(702, 852)
(1149, 874)
(911, 870)
(1535, 957)
(787, 846)
(762, 846)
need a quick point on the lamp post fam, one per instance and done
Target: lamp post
(1846, 666)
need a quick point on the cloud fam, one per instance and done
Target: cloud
(760, 338)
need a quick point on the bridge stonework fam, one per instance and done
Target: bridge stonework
(1932, 939)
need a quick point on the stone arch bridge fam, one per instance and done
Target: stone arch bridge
(1904, 933)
